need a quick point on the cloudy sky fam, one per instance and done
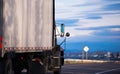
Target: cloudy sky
(92, 23)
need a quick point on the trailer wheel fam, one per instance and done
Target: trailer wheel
(8, 66)
(18, 65)
(57, 72)
(29, 66)
(1, 67)
(17, 69)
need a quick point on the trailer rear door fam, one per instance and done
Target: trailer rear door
(28, 25)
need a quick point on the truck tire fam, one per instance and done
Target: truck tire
(57, 72)
(8, 66)
(17, 69)
(29, 66)
(17, 66)
(1, 67)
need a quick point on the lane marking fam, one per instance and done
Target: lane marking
(68, 73)
(107, 71)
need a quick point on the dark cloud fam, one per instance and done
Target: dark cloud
(107, 33)
(111, 0)
(69, 22)
(87, 4)
(99, 28)
(112, 7)
(94, 17)
(103, 31)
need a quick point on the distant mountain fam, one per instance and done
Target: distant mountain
(93, 46)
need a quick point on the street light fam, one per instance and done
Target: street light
(86, 49)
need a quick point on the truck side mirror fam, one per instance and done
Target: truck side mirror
(67, 34)
(62, 30)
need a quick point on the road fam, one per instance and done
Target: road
(104, 68)
(92, 68)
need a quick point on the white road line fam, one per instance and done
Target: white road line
(68, 73)
(107, 71)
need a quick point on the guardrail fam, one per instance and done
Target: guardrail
(79, 61)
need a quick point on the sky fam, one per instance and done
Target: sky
(92, 23)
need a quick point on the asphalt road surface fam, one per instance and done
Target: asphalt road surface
(104, 68)
(92, 68)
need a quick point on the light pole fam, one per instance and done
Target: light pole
(108, 56)
(86, 49)
(82, 51)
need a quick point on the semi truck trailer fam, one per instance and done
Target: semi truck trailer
(27, 35)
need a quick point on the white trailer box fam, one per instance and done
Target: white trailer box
(28, 25)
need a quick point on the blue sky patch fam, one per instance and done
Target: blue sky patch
(107, 33)
(112, 7)
(94, 46)
(111, 0)
(94, 17)
(68, 22)
(99, 28)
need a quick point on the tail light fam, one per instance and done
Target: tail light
(0, 42)
(37, 60)
(22, 58)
